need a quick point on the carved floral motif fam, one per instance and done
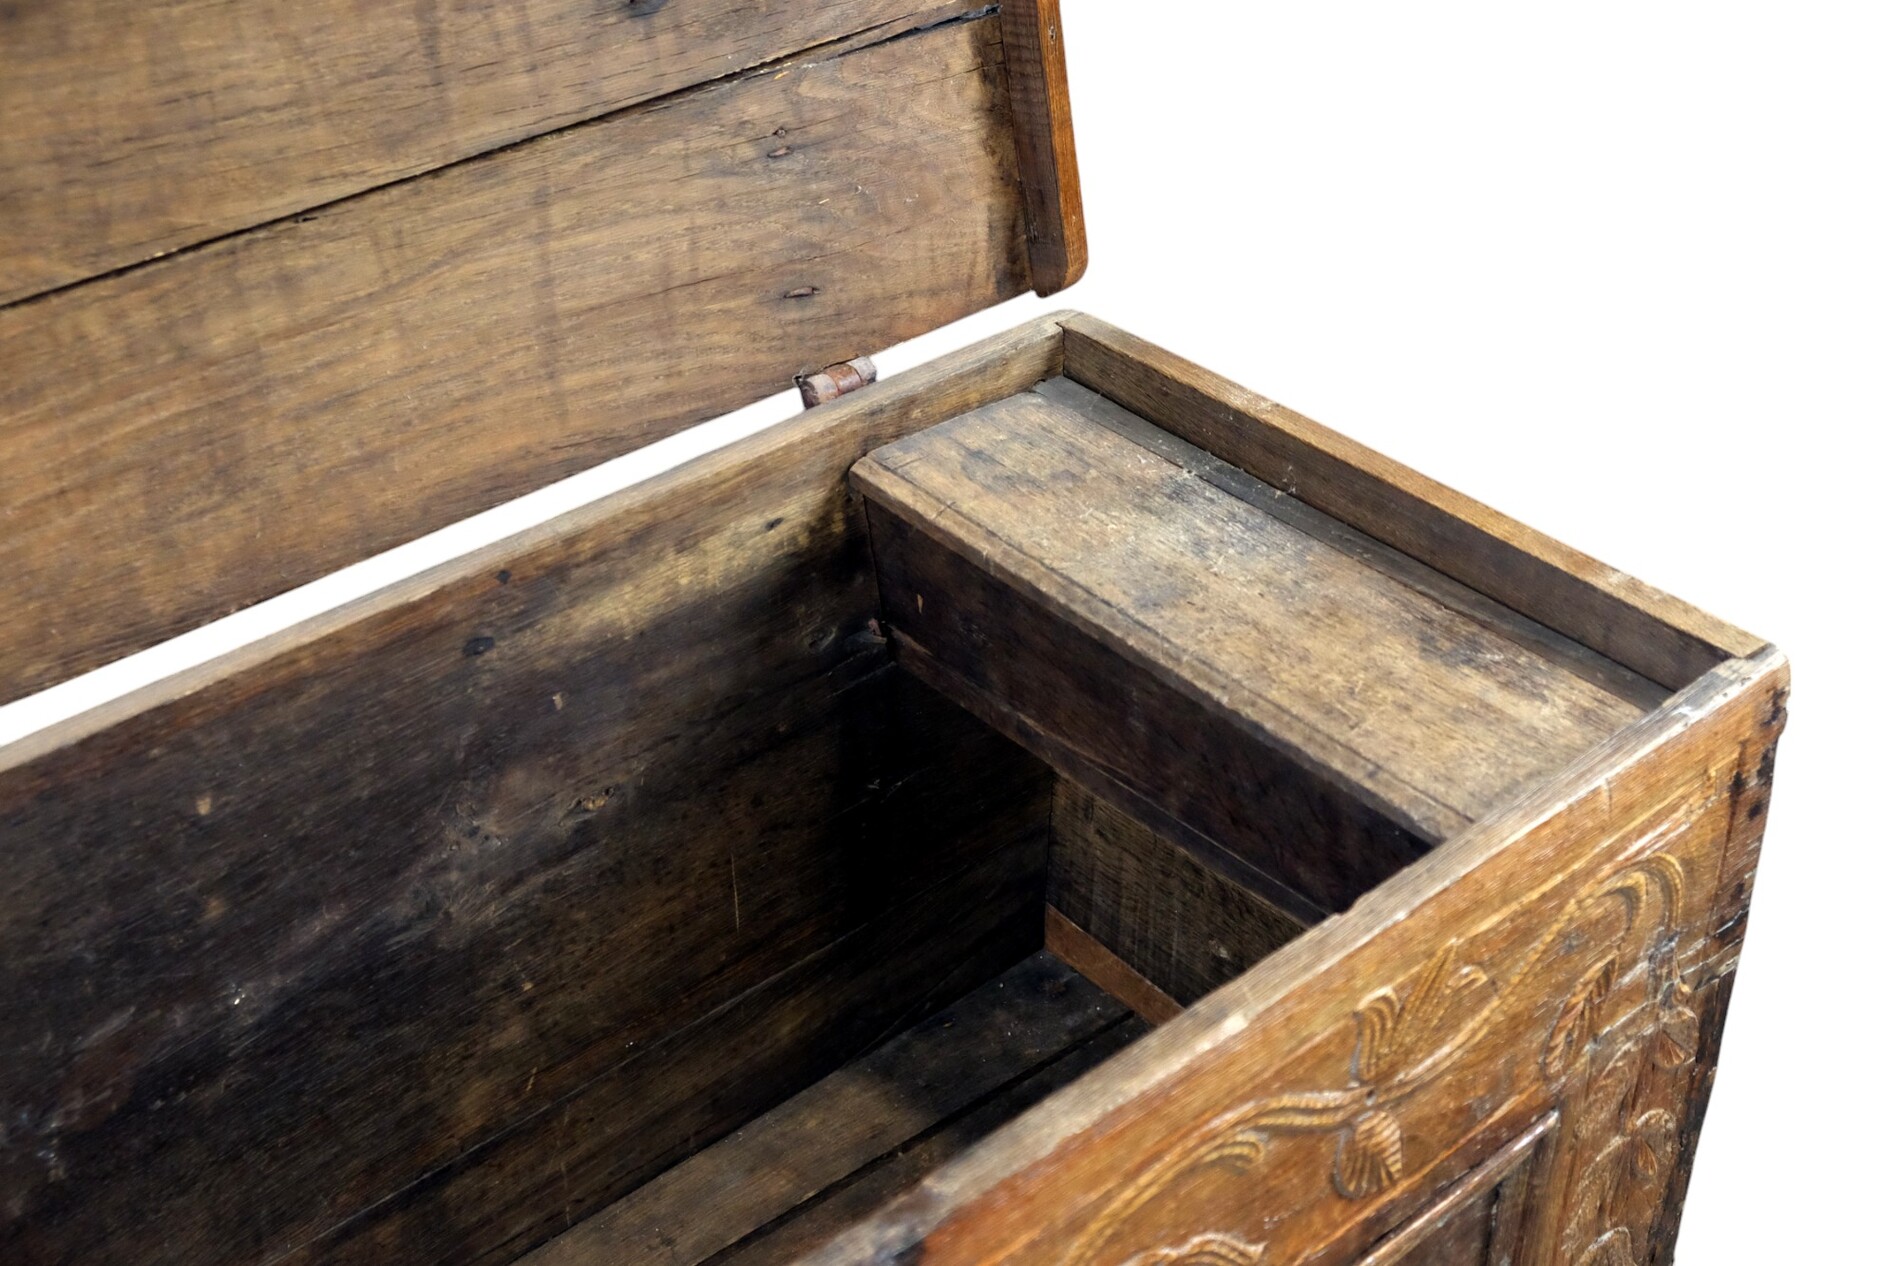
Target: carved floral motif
(1205, 1250)
(1403, 1044)
(1629, 1105)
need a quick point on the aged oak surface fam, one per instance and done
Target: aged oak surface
(1564, 954)
(1045, 143)
(1616, 615)
(1278, 688)
(429, 929)
(135, 130)
(849, 1128)
(437, 923)
(185, 438)
(1180, 925)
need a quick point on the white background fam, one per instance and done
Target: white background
(1628, 272)
(1625, 271)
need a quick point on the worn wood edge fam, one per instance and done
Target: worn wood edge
(1715, 998)
(921, 15)
(1099, 965)
(1703, 639)
(1013, 360)
(1038, 71)
(1148, 1067)
(1392, 1250)
(1062, 599)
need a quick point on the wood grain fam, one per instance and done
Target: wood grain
(1478, 1221)
(511, 1192)
(1575, 657)
(818, 1220)
(1101, 965)
(341, 942)
(1619, 617)
(1250, 680)
(186, 438)
(1045, 143)
(1545, 960)
(947, 1065)
(1153, 904)
(134, 131)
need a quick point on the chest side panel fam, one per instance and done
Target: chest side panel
(1567, 956)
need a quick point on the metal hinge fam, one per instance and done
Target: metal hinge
(836, 380)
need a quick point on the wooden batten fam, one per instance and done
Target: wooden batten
(1045, 143)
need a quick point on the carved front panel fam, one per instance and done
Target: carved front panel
(1551, 974)
(1466, 1041)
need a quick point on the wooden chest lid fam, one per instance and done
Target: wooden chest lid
(282, 287)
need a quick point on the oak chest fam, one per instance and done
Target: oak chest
(1052, 806)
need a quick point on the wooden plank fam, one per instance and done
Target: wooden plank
(1575, 657)
(819, 1219)
(510, 1193)
(1045, 143)
(1420, 707)
(1650, 632)
(296, 929)
(1538, 962)
(134, 132)
(1250, 680)
(1170, 918)
(1100, 964)
(186, 438)
(949, 1063)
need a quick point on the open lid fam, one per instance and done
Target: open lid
(281, 292)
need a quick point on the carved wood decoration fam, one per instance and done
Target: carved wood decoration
(1562, 955)
(1404, 1042)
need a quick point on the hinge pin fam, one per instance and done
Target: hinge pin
(837, 380)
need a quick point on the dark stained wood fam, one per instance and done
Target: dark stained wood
(356, 938)
(1619, 617)
(1305, 711)
(510, 1193)
(946, 1066)
(1045, 143)
(1100, 964)
(186, 438)
(1177, 923)
(818, 1220)
(132, 131)
(1547, 960)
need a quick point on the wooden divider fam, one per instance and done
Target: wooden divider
(1194, 657)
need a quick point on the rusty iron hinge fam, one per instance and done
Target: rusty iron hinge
(836, 380)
